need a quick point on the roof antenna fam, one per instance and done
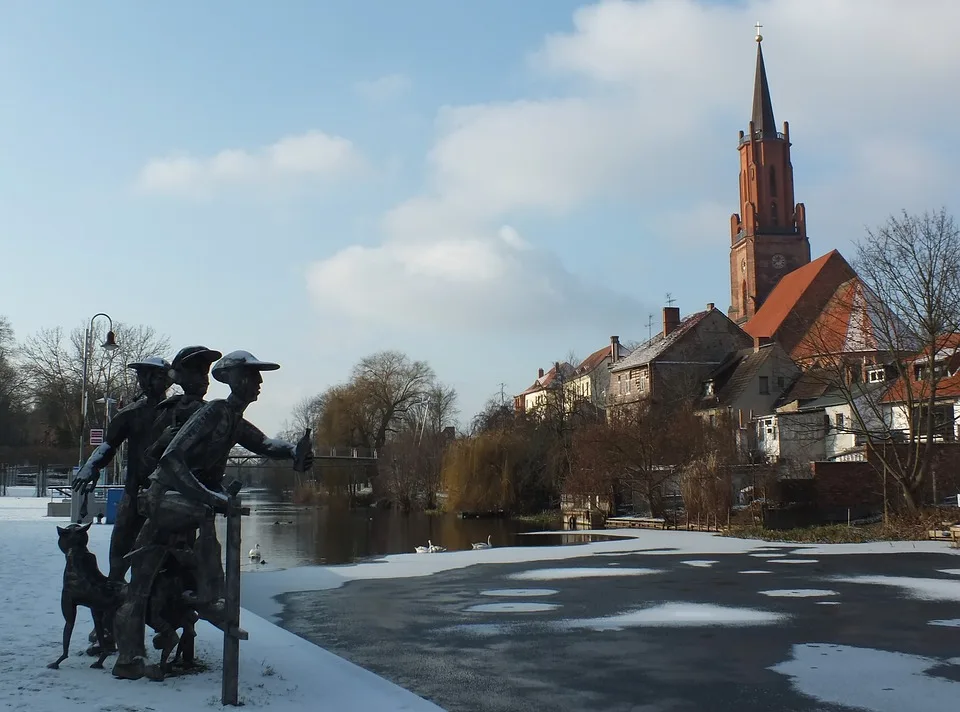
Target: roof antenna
(649, 327)
(670, 299)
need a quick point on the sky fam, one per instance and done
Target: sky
(486, 186)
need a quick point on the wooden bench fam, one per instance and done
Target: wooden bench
(955, 536)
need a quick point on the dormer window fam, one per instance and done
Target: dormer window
(876, 375)
(708, 389)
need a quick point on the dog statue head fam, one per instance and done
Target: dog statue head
(72, 536)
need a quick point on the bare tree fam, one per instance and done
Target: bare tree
(391, 383)
(52, 364)
(12, 395)
(898, 325)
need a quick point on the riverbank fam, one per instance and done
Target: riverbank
(278, 670)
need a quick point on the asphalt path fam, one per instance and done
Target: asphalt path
(426, 635)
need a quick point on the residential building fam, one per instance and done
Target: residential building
(672, 365)
(745, 386)
(590, 381)
(545, 389)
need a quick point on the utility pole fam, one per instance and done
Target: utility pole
(503, 394)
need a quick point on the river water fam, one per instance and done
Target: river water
(293, 535)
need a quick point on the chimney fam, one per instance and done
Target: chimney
(671, 319)
(709, 306)
(760, 341)
(614, 348)
(539, 373)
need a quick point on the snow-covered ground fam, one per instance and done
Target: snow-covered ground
(278, 670)
(282, 671)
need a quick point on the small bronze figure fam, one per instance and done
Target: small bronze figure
(85, 585)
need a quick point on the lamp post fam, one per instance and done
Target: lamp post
(109, 345)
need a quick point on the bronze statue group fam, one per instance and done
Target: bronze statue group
(164, 534)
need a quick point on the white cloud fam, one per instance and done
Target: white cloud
(312, 155)
(655, 94)
(385, 88)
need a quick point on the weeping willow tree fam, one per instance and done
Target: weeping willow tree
(496, 470)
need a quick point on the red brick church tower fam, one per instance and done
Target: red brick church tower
(769, 235)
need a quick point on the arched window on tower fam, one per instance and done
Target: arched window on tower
(773, 180)
(773, 212)
(743, 297)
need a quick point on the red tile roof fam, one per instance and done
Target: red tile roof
(798, 300)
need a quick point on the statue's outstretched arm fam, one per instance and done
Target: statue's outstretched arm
(253, 439)
(117, 432)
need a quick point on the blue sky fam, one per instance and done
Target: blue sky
(484, 185)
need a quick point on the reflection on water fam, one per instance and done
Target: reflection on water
(291, 535)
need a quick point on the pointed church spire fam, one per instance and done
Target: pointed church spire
(763, 122)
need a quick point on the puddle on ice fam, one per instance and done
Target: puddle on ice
(557, 574)
(520, 592)
(886, 681)
(756, 571)
(767, 556)
(799, 593)
(794, 561)
(677, 615)
(513, 607)
(925, 589)
(952, 623)
(828, 603)
(700, 564)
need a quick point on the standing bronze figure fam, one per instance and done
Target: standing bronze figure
(132, 424)
(185, 493)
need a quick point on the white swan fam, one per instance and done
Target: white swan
(436, 549)
(481, 545)
(255, 553)
(428, 549)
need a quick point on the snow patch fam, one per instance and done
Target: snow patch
(794, 561)
(767, 556)
(952, 623)
(520, 592)
(799, 593)
(278, 669)
(513, 607)
(756, 571)
(926, 589)
(952, 572)
(828, 603)
(677, 615)
(706, 564)
(885, 681)
(575, 573)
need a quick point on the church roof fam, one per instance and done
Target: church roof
(797, 301)
(763, 121)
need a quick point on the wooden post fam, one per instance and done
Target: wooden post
(230, 694)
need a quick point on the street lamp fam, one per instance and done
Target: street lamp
(109, 345)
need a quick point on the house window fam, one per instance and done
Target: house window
(780, 382)
(629, 384)
(643, 383)
(876, 375)
(764, 386)
(619, 385)
(713, 421)
(943, 425)
(708, 390)
(838, 419)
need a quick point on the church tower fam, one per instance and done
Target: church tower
(769, 235)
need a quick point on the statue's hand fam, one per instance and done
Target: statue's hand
(86, 484)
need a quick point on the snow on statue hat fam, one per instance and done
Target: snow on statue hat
(240, 359)
(148, 363)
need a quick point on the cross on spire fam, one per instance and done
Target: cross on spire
(759, 37)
